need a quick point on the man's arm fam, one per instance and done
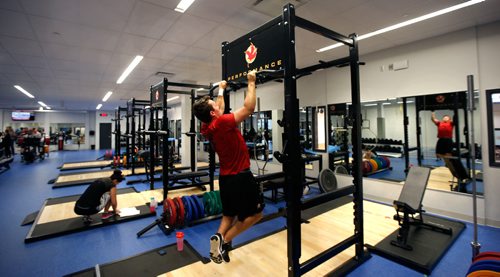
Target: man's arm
(114, 202)
(433, 118)
(220, 98)
(249, 104)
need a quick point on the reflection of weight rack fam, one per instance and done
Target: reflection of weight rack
(383, 145)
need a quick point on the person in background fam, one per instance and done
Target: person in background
(242, 198)
(444, 145)
(6, 143)
(101, 194)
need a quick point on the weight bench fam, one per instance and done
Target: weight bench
(410, 203)
(272, 182)
(457, 169)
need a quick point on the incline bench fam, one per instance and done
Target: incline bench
(410, 203)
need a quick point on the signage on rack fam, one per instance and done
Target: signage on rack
(263, 51)
(442, 101)
(157, 95)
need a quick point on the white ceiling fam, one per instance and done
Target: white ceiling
(69, 53)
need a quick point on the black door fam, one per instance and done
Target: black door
(105, 136)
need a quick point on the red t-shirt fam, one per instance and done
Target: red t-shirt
(445, 129)
(228, 143)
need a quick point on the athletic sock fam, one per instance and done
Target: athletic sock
(226, 247)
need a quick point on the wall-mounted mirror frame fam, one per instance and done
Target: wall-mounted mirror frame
(493, 109)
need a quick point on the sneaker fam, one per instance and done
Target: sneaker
(87, 220)
(106, 215)
(216, 248)
(226, 247)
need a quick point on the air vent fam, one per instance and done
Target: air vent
(162, 73)
(274, 7)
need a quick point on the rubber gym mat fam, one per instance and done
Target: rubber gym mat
(85, 165)
(428, 246)
(29, 219)
(151, 263)
(75, 224)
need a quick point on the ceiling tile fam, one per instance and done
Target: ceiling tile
(15, 24)
(150, 20)
(11, 69)
(22, 46)
(213, 40)
(109, 14)
(60, 32)
(188, 29)
(12, 5)
(5, 58)
(216, 10)
(170, 4)
(166, 50)
(134, 45)
(247, 19)
(31, 61)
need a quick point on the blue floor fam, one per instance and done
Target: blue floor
(24, 188)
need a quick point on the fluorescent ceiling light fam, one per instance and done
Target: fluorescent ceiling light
(386, 103)
(408, 22)
(106, 97)
(129, 69)
(48, 108)
(370, 105)
(40, 109)
(183, 5)
(98, 107)
(42, 104)
(24, 91)
(172, 98)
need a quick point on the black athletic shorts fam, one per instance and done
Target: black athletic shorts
(241, 196)
(444, 146)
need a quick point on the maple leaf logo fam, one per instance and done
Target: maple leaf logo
(440, 98)
(250, 54)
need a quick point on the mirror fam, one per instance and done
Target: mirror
(305, 125)
(72, 133)
(493, 114)
(383, 132)
(257, 132)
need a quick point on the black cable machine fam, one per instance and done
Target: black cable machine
(276, 43)
(454, 101)
(159, 96)
(117, 132)
(135, 109)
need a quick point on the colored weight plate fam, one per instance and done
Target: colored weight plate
(366, 167)
(379, 163)
(177, 210)
(165, 205)
(387, 161)
(207, 203)
(187, 209)
(218, 201)
(180, 211)
(201, 209)
(194, 208)
(382, 162)
(374, 165)
(173, 212)
(215, 201)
